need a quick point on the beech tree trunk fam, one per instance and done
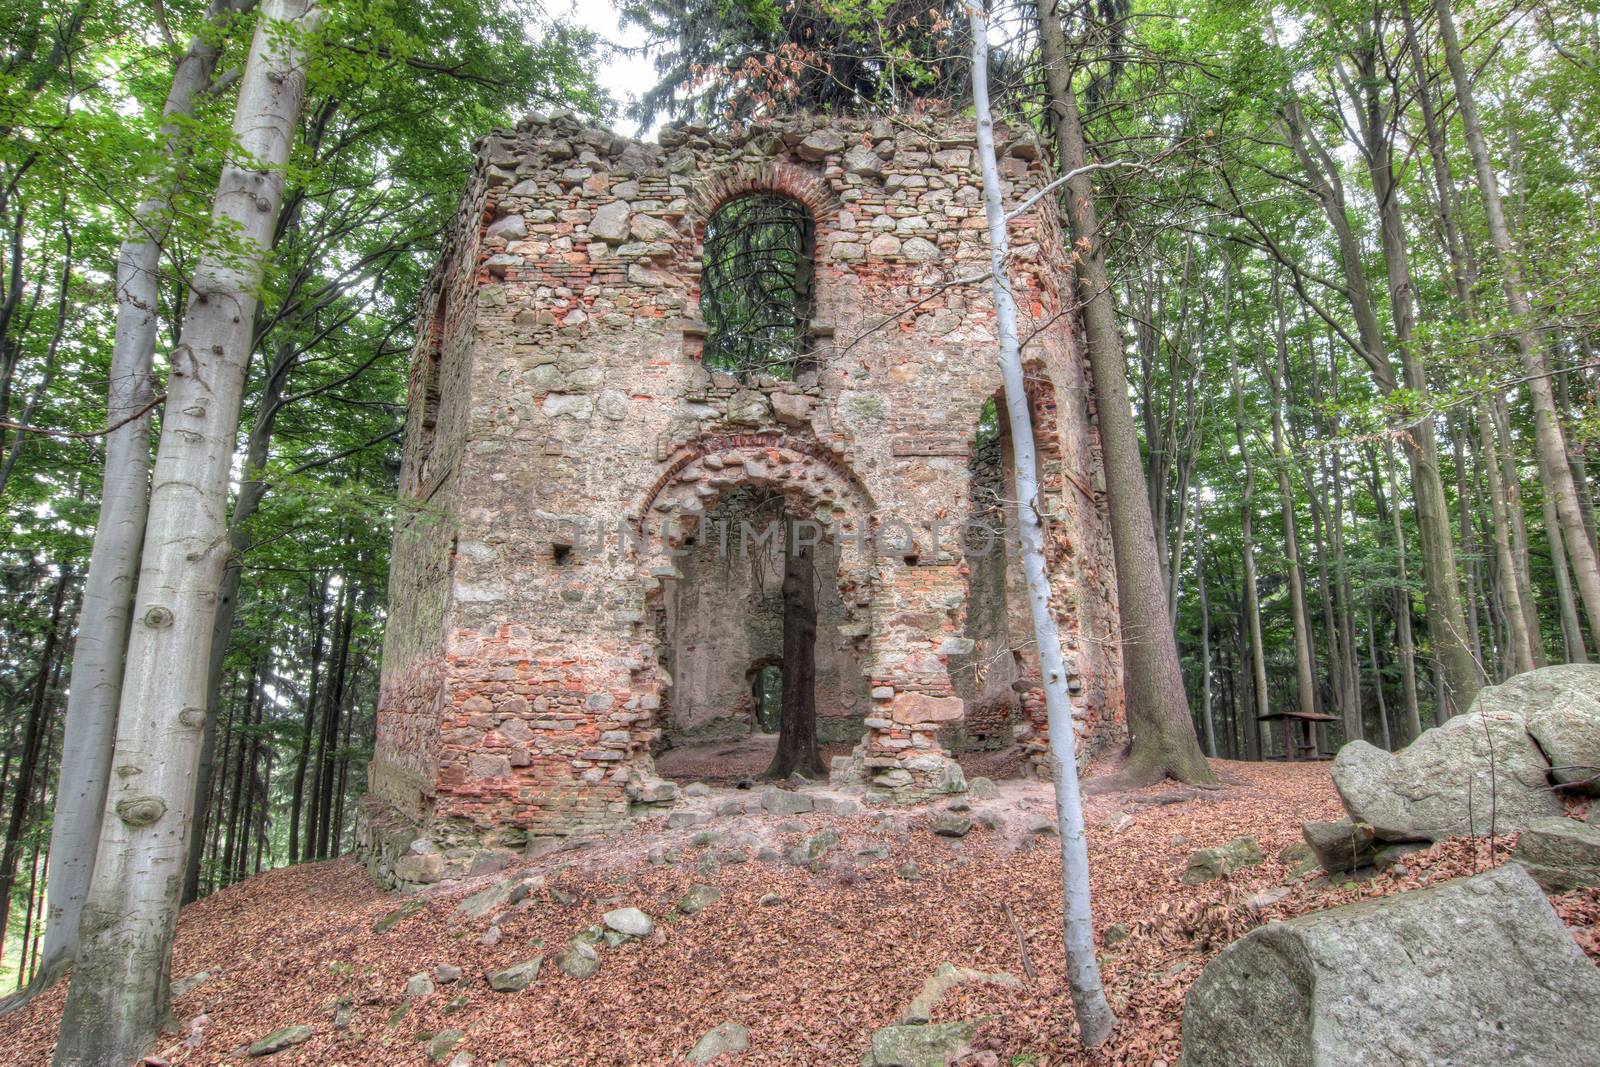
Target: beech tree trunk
(95, 686)
(1160, 726)
(1095, 1018)
(119, 992)
(1554, 462)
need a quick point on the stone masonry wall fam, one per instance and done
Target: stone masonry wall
(525, 671)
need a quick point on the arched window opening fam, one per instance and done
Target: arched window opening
(755, 286)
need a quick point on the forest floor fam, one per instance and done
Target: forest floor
(839, 950)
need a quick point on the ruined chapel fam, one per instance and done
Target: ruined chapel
(597, 442)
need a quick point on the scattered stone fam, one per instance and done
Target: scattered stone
(837, 805)
(769, 899)
(1116, 934)
(959, 804)
(1292, 854)
(578, 960)
(783, 802)
(278, 1040)
(445, 973)
(496, 897)
(982, 788)
(343, 1012)
(724, 1040)
(704, 838)
(697, 898)
(1209, 864)
(1178, 841)
(697, 789)
(687, 820)
(920, 1045)
(1561, 854)
(517, 977)
(950, 824)
(444, 1043)
(1390, 855)
(490, 937)
(1042, 824)
(910, 871)
(1117, 822)
(1440, 785)
(813, 847)
(630, 922)
(1477, 970)
(946, 977)
(1341, 846)
(397, 916)
(188, 985)
(419, 985)
(1266, 898)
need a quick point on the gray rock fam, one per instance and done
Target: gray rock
(278, 1040)
(783, 802)
(493, 898)
(630, 922)
(821, 143)
(610, 222)
(1561, 708)
(1043, 824)
(910, 871)
(1476, 971)
(698, 898)
(444, 1043)
(1341, 846)
(686, 820)
(490, 937)
(516, 977)
(419, 985)
(697, 789)
(419, 870)
(1561, 854)
(948, 976)
(1441, 784)
(863, 160)
(189, 984)
(1116, 934)
(1209, 864)
(920, 1045)
(983, 788)
(445, 973)
(578, 959)
(813, 847)
(725, 1040)
(397, 916)
(512, 228)
(950, 824)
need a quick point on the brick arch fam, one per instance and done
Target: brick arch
(814, 484)
(771, 176)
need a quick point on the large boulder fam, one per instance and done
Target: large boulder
(1209, 864)
(1561, 854)
(1561, 707)
(1474, 971)
(1449, 781)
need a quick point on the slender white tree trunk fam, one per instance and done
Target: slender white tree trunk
(96, 681)
(1095, 1019)
(119, 991)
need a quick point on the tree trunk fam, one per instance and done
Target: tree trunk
(1402, 604)
(97, 658)
(1208, 718)
(1095, 1018)
(119, 992)
(319, 590)
(1458, 671)
(797, 725)
(1160, 727)
(34, 731)
(1548, 435)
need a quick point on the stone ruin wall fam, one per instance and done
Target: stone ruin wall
(524, 684)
